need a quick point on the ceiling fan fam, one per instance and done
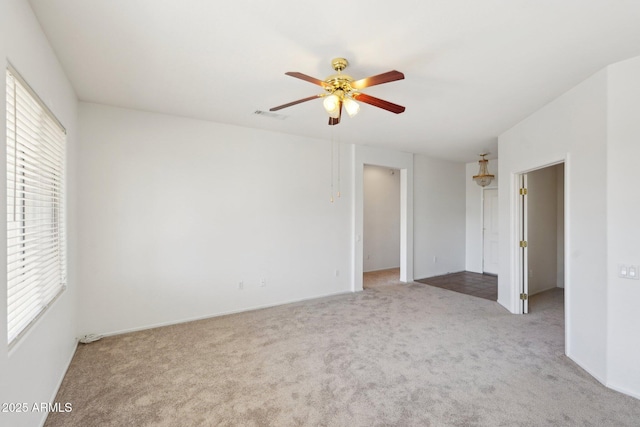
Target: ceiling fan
(342, 90)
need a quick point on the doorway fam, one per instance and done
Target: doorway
(381, 236)
(542, 236)
(363, 155)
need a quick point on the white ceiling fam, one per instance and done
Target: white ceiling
(473, 68)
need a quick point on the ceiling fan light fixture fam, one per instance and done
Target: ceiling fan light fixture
(341, 90)
(351, 106)
(331, 104)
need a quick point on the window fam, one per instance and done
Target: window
(36, 244)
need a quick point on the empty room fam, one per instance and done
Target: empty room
(419, 213)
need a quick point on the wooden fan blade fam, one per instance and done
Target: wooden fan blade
(332, 121)
(306, 78)
(380, 103)
(299, 101)
(389, 76)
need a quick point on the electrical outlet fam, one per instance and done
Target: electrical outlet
(337, 273)
(263, 282)
(240, 285)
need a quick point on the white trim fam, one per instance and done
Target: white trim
(223, 313)
(59, 384)
(14, 72)
(392, 159)
(568, 327)
(523, 253)
(624, 390)
(444, 274)
(589, 371)
(516, 267)
(380, 269)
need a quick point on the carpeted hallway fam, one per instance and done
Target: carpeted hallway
(392, 355)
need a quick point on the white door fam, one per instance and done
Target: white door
(524, 251)
(490, 256)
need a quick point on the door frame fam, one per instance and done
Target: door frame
(520, 269)
(395, 160)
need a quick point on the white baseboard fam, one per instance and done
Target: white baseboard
(381, 269)
(441, 274)
(57, 388)
(544, 290)
(624, 390)
(223, 313)
(601, 380)
(605, 383)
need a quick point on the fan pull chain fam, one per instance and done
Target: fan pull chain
(339, 166)
(335, 145)
(331, 199)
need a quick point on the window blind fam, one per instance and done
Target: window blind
(36, 246)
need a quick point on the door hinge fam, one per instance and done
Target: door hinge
(523, 191)
(524, 297)
(523, 243)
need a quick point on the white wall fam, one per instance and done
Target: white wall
(439, 216)
(176, 212)
(595, 128)
(473, 212)
(4, 360)
(542, 211)
(33, 369)
(572, 127)
(623, 205)
(381, 218)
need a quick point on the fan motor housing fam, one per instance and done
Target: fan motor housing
(339, 81)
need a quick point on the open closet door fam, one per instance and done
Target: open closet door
(524, 253)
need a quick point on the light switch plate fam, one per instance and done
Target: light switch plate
(629, 271)
(622, 271)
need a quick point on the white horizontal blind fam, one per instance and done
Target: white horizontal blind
(36, 247)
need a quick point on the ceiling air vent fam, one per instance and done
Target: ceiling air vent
(271, 115)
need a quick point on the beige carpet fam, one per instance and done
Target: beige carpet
(394, 355)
